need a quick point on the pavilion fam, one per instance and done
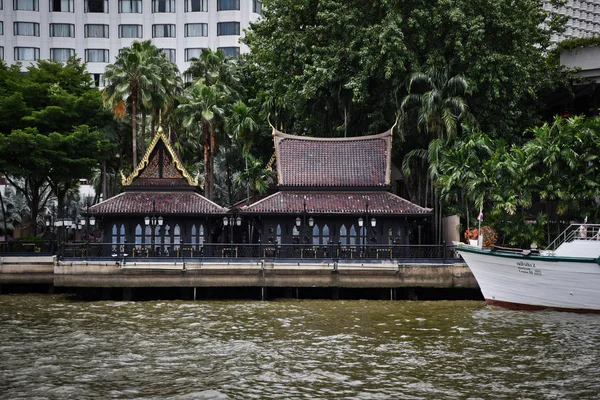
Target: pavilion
(161, 208)
(335, 191)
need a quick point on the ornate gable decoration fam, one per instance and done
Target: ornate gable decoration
(160, 165)
(355, 162)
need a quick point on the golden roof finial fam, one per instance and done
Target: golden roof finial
(160, 130)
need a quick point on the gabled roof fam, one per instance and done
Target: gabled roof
(356, 162)
(164, 203)
(160, 166)
(288, 202)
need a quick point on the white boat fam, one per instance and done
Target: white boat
(564, 277)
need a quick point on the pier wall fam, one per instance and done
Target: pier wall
(325, 274)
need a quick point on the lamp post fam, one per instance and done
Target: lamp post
(230, 221)
(299, 222)
(364, 224)
(87, 220)
(61, 224)
(152, 221)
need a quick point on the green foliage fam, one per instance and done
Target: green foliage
(51, 96)
(329, 67)
(557, 171)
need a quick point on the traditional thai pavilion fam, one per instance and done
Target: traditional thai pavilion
(160, 209)
(336, 191)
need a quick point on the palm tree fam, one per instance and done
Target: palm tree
(241, 125)
(216, 69)
(256, 175)
(166, 91)
(135, 74)
(436, 102)
(201, 105)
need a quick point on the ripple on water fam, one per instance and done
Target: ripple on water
(53, 347)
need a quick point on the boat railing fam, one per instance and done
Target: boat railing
(576, 232)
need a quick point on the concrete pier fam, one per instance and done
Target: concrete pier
(195, 277)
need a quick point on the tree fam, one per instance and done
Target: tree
(332, 60)
(135, 74)
(25, 162)
(200, 106)
(256, 176)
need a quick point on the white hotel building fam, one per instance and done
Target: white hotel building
(95, 30)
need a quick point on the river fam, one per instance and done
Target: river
(56, 347)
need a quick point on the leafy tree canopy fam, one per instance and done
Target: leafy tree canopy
(339, 66)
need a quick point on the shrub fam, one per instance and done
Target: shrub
(471, 234)
(489, 235)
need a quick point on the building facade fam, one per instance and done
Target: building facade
(584, 18)
(95, 30)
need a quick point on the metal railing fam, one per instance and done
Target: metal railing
(232, 251)
(576, 232)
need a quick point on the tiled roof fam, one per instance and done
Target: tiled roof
(133, 202)
(333, 162)
(335, 203)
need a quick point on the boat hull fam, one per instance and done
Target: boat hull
(516, 281)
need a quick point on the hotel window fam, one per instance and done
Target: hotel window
(163, 31)
(96, 6)
(224, 5)
(61, 5)
(96, 55)
(1, 52)
(196, 30)
(1, 28)
(256, 6)
(26, 29)
(26, 5)
(96, 31)
(130, 31)
(230, 51)
(98, 80)
(62, 30)
(193, 53)
(61, 55)
(228, 28)
(130, 6)
(170, 54)
(163, 6)
(196, 5)
(27, 53)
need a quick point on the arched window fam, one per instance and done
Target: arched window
(167, 240)
(278, 234)
(197, 236)
(325, 233)
(295, 235)
(138, 236)
(148, 235)
(157, 237)
(315, 234)
(352, 238)
(343, 235)
(114, 238)
(118, 238)
(176, 237)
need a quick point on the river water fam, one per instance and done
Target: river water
(56, 347)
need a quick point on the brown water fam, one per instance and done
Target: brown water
(57, 348)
